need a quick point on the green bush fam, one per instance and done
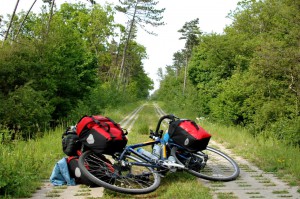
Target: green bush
(26, 112)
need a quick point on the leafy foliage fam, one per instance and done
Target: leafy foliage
(56, 70)
(249, 75)
(142, 12)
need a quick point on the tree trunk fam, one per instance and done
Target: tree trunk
(10, 23)
(185, 75)
(122, 70)
(50, 16)
(24, 20)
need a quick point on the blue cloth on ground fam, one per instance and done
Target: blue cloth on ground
(60, 174)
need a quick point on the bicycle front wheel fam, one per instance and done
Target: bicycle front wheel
(209, 164)
(123, 177)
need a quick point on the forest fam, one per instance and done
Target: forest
(64, 62)
(249, 76)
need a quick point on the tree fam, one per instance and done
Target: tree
(190, 32)
(179, 61)
(140, 12)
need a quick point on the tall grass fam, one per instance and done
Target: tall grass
(23, 165)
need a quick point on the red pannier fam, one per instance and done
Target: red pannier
(101, 134)
(189, 135)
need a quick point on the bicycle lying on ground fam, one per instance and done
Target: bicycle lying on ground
(135, 171)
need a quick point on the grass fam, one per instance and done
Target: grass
(23, 165)
(226, 195)
(121, 112)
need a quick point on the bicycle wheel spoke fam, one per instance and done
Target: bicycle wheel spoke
(209, 164)
(125, 177)
(217, 166)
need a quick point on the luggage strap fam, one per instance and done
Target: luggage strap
(106, 125)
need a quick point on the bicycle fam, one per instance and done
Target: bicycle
(132, 172)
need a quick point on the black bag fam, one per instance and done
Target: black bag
(188, 134)
(80, 178)
(70, 142)
(76, 173)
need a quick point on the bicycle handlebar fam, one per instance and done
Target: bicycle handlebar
(171, 117)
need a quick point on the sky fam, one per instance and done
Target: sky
(160, 49)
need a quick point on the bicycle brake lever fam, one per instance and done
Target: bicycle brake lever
(160, 133)
(151, 134)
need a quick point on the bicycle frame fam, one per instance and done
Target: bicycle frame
(160, 163)
(149, 162)
(157, 139)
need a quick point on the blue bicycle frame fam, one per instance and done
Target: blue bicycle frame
(157, 139)
(149, 162)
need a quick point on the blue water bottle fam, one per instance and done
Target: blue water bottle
(156, 151)
(147, 153)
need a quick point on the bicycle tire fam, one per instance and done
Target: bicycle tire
(130, 179)
(217, 167)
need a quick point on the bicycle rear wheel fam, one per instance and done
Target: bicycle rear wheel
(123, 178)
(209, 164)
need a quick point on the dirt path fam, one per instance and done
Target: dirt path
(252, 183)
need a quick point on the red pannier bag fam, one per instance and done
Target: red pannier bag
(188, 134)
(101, 134)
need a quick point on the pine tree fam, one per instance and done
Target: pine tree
(140, 13)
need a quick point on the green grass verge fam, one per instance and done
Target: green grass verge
(23, 165)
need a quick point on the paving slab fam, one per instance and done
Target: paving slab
(252, 182)
(67, 192)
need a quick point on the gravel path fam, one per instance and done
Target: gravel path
(252, 182)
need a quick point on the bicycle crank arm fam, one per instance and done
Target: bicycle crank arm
(173, 164)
